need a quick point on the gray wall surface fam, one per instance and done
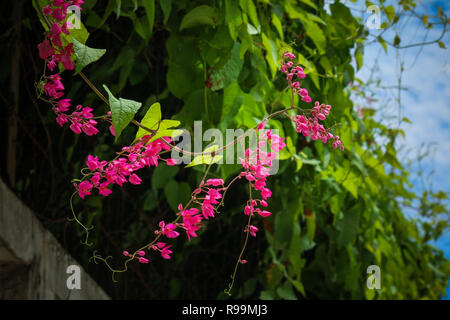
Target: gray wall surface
(33, 265)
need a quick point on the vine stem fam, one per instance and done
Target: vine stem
(233, 276)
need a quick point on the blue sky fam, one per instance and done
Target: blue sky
(425, 101)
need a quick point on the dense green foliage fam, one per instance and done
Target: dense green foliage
(334, 213)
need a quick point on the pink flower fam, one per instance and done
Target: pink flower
(264, 213)
(103, 190)
(143, 260)
(250, 177)
(260, 184)
(95, 180)
(289, 55)
(303, 92)
(253, 230)
(160, 245)
(45, 49)
(58, 14)
(168, 230)
(261, 124)
(92, 163)
(89, 128)
(84, 188)
(134, 179)
(58, 3)
(126, 253)
(111, 130)
(165, 252)
(207, 210)
(47, 10)
(214, 182)
(171, 162)
(75, 126)
(307, 99)
(61, 119)
(63, 105)
(51, 65)
(141, 253)
(248, 210)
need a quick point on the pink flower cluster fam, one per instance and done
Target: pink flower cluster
(121, 170)
(191, 218)
(53, 51)
(207, 197)
(162, 247)
(310, 126)
(290, 70)
(257, 166)
(81, 120)
(52, 47)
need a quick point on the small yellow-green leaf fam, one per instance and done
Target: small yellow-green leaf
(206, 157)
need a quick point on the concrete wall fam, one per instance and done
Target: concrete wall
(33, 265)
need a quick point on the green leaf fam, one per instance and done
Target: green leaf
(390, 12)
(149, 6)
(271, 54)
(177, 193)
(122, 111)
(164, 130)
(286, 292)
(162, 174)
(228, 71)
(152, 120)
(283, 228)
(277, 24)
(266, 295)
(249, 8)
(298, 163)
(150, 200)
(299, 286)
(405, 119)
(348, 226)
(206, 157)
(80, 33)
(166, 7)
(85, 55)
(359, 57)
(316, 34)
(441, 44)
(396, 40)
(310, 3)
(40, 4)
(311, 227)
(310, 69)
(383, 43)
(198, 16)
